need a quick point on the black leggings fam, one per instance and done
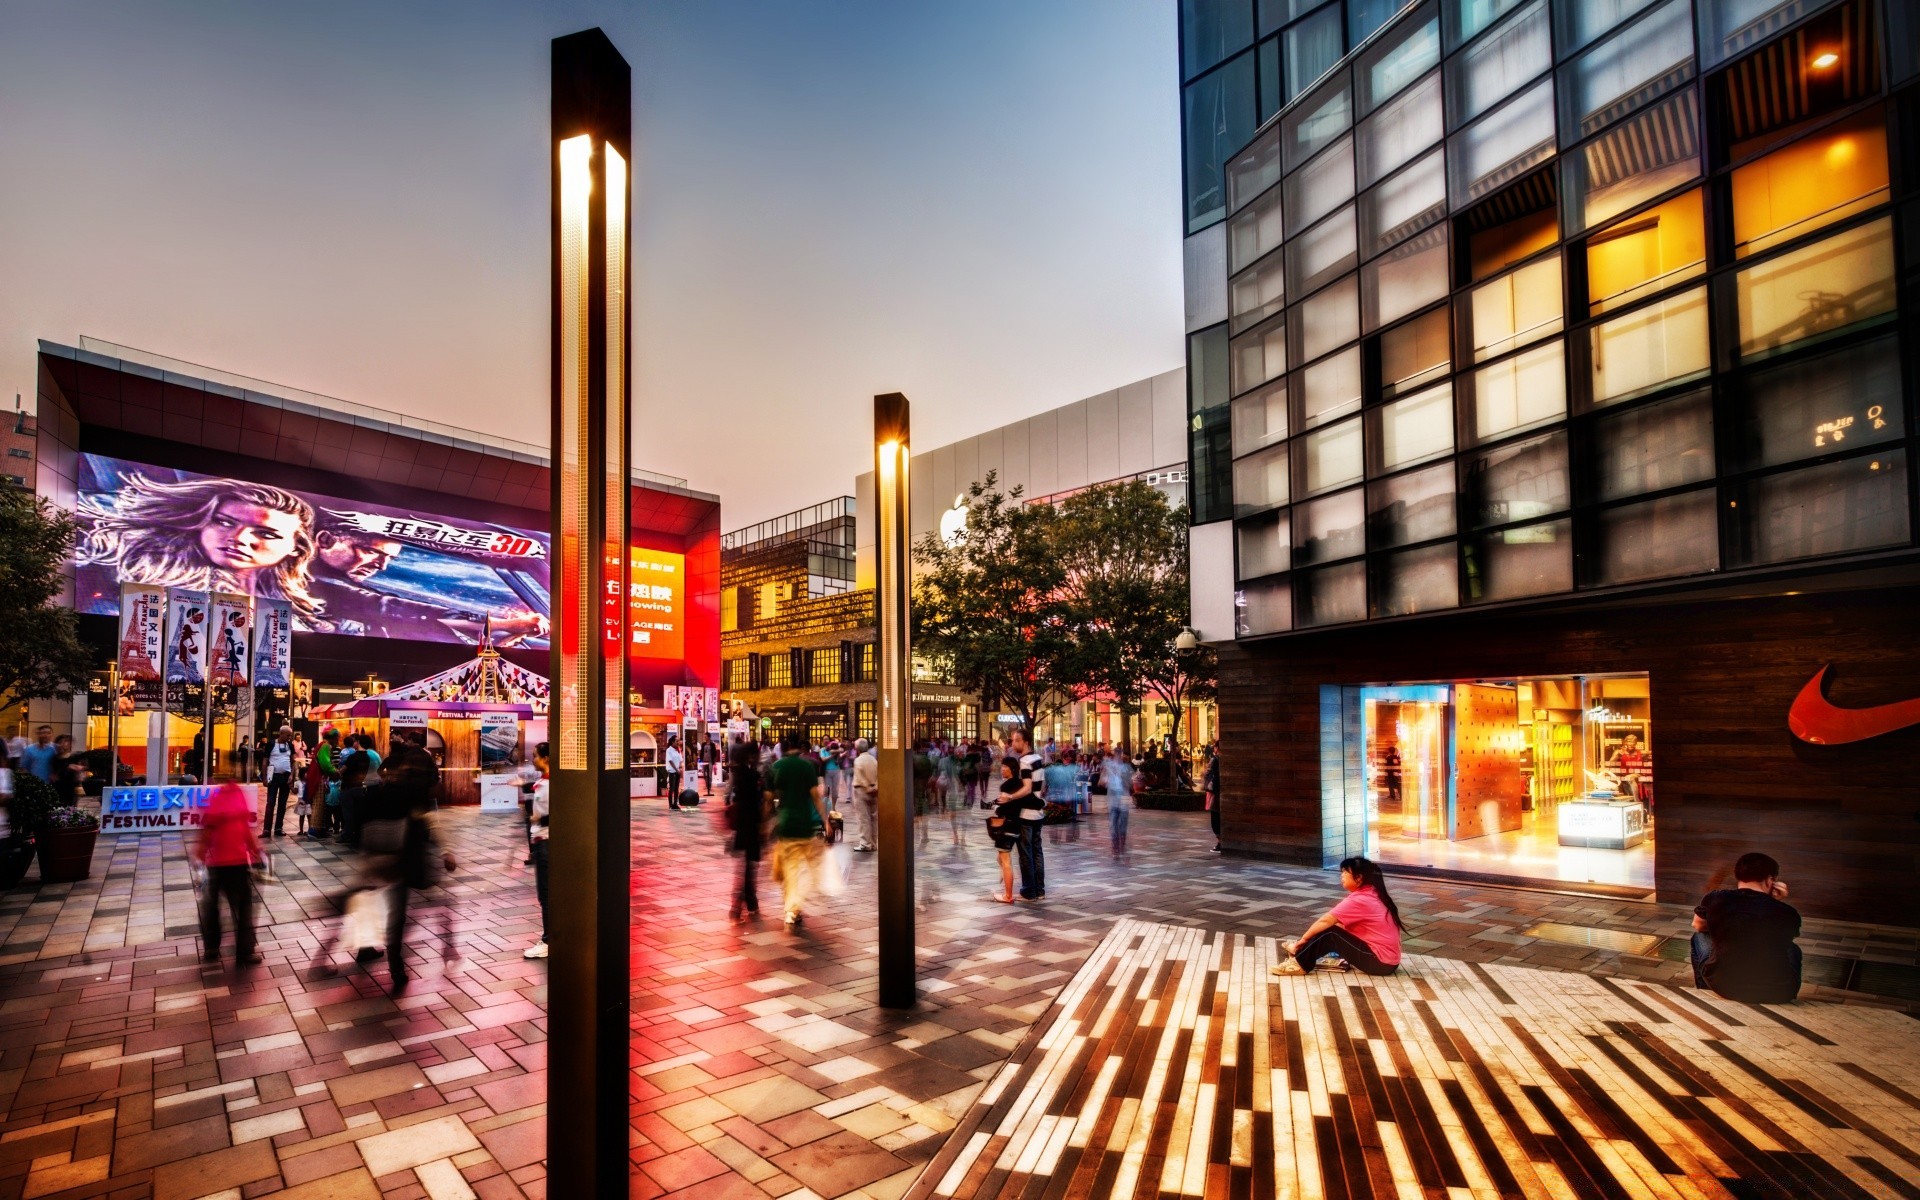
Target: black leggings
(1339, 941)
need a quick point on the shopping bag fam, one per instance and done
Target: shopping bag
(830, 864)
(365, 925)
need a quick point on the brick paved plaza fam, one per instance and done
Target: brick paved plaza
(760, 1064)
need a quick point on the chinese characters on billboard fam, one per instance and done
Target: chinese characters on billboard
(339, 566)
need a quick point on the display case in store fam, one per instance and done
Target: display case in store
(1602, 821)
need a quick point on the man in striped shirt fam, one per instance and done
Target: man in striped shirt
(1033, 812)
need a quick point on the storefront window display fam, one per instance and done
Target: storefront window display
(1547, 779)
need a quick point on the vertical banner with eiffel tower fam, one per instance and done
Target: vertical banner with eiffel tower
(227, 651)
(142, 614)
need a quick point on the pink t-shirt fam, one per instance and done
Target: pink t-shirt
(1365, 917)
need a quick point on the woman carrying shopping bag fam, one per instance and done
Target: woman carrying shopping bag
(229, 848)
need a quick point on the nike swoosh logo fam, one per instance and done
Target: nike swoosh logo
(1814, 718)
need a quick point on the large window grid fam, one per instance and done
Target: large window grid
(1645, 429)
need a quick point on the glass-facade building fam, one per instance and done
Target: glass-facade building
(1550, 416)
(1534, 298)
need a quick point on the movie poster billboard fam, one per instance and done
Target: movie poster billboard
(142, 622)
(272, 643)
(340, 566)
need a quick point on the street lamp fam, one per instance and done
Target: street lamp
(891, 453)
(591, 868)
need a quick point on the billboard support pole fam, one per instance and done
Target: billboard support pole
(892, 452)
(590, 824)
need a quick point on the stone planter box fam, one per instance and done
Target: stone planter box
(66, 855)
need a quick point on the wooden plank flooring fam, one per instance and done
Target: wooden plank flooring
(1174, 1064)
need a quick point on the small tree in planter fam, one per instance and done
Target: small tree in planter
(63, 835)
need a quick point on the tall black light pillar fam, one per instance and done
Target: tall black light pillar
(892, 662)
(590, 866)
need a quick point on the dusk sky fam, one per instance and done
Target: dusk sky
(975, 202)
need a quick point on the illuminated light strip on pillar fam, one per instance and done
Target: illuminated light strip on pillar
(614, 609)
(892, 608)
(576, 188)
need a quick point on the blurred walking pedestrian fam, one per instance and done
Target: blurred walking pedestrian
(537, 841)
(1116, 775)
(1210, 785)
(747, 817)
(229, 849)
(800, 816)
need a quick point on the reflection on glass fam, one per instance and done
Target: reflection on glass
(1408, 53)
(1465, 18)
(1260, 481)
(1730, 26)
(1818, 290)
(1519, 392)
(1330, 388)
(1259, 355)
(1260, 418)
(1651, 347)
(1412, 430)
(1646, 252)
(1210, 30)
(1633, 162)
(1822, 179)
(1583, 22)
(1331, 596)
(1330, 458)
(1415, 507)
(1405, 204)
(1263, 608)
(1499, 63)
(1655, 539)
(1408, 277)
(1208, 385)
(1321, 253)
(1504, 144)
(1854, 504)
(1255, 170)
(1217, 115)
(1265, 546)
(1257, 293)
(1315, 122)
(1518, 481)
(1254, 231)
(1322, 185)
(1406, 127)
(1413, 353)
(1416, 581)
(1330, 529)
(1518, 307)
(1328, 319)
(1630, 70)
(1824, 405)
(1313, 46)
(1654, 447)
(1533, 560)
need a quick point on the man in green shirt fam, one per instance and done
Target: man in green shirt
(800, 814)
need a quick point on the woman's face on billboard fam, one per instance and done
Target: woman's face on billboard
(241, 536)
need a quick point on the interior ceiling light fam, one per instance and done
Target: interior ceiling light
(1825, 59)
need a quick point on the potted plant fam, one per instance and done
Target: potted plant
(63, 835)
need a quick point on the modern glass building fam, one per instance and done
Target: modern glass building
(1571, 311)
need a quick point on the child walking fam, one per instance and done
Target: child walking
(1001, 826)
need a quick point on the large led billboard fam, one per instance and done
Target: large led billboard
(346, 566)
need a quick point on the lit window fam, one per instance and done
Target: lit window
(1260, 481)
(1407, 278)
(1330, 458)
(1321, 186)
(1255, 230)
(1260, 418)
(1265, 546)
(1520, 392)
(1328, 320)
(1412, 430)
(1651, 347)
(1329, 529)
(1259, 355)
(1646, 252)
(1257, 293)
(1494, 250)
(1633, 162)
(1321, 253)
(1818, 290)
(1414, 353)
(1822, 179)
(1330, 388)
(1405, 204)
(1518, 307)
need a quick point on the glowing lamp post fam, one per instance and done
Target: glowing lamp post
(892, 658)
(589, 865)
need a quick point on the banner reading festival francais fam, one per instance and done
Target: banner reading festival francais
(272, 643)
(142, 616)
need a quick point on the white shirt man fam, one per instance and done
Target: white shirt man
(866, 794)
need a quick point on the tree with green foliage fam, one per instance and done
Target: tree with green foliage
(987, 604)
(41, 657)
(1126, 597)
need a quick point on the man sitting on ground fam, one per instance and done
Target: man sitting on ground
(1743, 945)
